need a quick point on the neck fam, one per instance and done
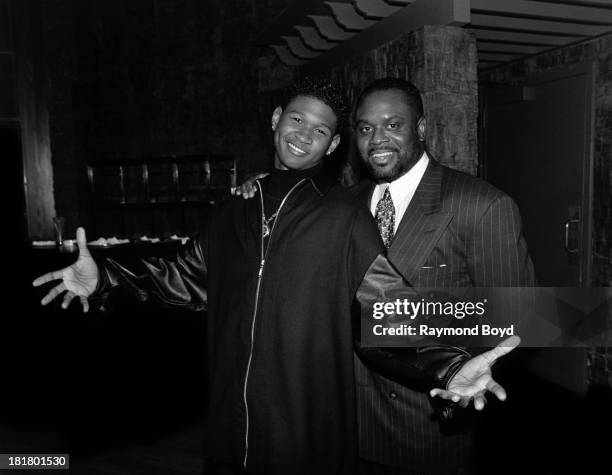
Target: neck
(281, 181)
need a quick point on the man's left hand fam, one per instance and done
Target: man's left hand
(474, 378)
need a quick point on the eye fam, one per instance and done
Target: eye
(365, 129)
(321, 132)
(297, 119)
(393, 125)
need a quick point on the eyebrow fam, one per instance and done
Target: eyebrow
(323, 124)
(388, 119)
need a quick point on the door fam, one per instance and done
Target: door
(537, 148)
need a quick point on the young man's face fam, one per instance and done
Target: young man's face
(303, 133)
(389, 134)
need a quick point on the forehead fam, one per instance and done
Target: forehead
(315, 108)
(391, 102)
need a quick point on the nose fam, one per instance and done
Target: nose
(379, 136)
(304, 135)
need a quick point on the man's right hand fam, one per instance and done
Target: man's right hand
(78, 280)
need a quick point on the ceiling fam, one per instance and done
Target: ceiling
(316, 33)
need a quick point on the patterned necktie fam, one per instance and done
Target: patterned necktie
(385, 218)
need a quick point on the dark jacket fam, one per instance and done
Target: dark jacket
(279, 325)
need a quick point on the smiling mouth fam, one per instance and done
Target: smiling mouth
(381, 156)
(296, 150)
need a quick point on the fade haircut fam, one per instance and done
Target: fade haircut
(325, 91)
(409, 90)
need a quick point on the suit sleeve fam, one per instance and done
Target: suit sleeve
(498, 251)
(420, 368)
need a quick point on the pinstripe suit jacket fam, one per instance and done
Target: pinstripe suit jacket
(458, 231)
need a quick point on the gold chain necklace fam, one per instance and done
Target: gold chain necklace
(267, 221)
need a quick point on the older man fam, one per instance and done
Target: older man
(441, 228)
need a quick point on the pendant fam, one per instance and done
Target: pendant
(266, 229)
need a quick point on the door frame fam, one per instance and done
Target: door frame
(586, 68)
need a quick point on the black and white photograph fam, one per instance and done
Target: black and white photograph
(296, 237)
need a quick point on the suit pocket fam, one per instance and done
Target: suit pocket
(434, 273)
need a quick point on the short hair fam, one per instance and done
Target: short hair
(409, 90)
(324, 90)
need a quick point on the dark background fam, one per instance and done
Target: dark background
(108, 81)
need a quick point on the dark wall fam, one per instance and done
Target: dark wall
(441, 62)
(599, 52)
(149, 78)
(24, 112)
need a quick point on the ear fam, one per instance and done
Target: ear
(334, 143)
(276, 115)
(421, 128)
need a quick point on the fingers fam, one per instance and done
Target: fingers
(48, 277)
(54, 292)
(502, 349)
(82, 242)
(510, 344)
(479, 401)
(497, 389)
(85, 304)
(247, 190)
(67, 299)
(444, 394)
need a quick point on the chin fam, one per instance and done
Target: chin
(387, 173)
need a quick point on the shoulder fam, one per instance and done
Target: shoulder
(460, 191)
(228, 208)
(361, 189)
(340, 198)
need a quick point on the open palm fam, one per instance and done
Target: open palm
(78, 280)
(474, 378)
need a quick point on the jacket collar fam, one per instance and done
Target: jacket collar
(427, 197)
(323, 180)
(422, 223)
(429, 192)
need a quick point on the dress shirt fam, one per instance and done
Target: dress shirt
(402, 189)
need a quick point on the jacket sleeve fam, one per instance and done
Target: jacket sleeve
(180, 281)
(498, 255)
(418, 367)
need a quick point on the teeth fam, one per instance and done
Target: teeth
(295, 149)
(381, 154)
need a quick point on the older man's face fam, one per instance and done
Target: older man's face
(389, 134)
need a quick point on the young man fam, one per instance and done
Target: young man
(279, 275)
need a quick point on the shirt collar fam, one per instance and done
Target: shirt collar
(408, 181)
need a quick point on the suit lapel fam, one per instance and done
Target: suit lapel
(421, 226)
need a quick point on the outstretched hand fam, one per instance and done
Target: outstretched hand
(474, 378)
(78, 280)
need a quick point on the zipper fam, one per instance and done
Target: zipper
(259, 274)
